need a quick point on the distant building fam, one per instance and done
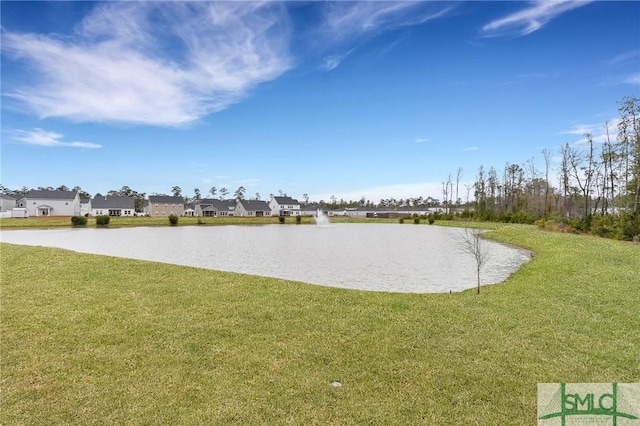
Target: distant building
(164, 205)
(284, 206)
(253, 208)
(213, 207)
(113, 206)
(50, 203)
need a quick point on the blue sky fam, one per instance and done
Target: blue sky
(352, 99)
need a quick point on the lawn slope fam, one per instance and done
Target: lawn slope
(91, 339)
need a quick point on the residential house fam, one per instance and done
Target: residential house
(284, 206)
(212, 207)
(189, 209)
(85, 206)
(252, 208)
(7, 202)
(310, 209)
(50, 203)
(108, 205)
(164, 205)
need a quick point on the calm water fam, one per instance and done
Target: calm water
(378, 257)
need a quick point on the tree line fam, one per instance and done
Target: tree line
(596, 187)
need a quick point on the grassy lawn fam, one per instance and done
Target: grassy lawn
(90, 339)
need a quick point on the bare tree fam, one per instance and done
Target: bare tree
(458, 179)
(546, 154)
(629, 140)
(473, 244)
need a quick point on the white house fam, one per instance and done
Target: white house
(85, 206)
(102, 205)
(50, 203)
(284, 206)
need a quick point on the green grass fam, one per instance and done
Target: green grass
(91, 339)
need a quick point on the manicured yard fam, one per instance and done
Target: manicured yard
(90, 339)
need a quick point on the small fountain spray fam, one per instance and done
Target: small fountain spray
(321, 218)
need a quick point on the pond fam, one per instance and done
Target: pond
(404, 258)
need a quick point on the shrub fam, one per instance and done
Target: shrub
(78, 220)
(102, 220)
(431, 219)
(173, 219)
(416, 220)
(298, 219)
(466, 213)
(280, 219)
(583, 224)
(630, 225)
(604, 226)
(401, 220)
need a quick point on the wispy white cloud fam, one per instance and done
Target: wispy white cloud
(345, 20)
(598, 131)
(113, 68)
(471, 148)
(40, 137)
(624, 58)
(348, 23)
(332, 61)
(633, 79)
(579, 129)
(531, 19)
(422, 140)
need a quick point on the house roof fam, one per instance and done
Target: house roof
(38, 194)
(311, 208)
(217, 204)
(113, 202)
(7, 197)
(286, 200)
(166, 199)
(255, 205)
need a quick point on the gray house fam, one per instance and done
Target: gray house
(7, 202)
(113, 206)
(212, 207)
(50, 203)
(252, 208)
